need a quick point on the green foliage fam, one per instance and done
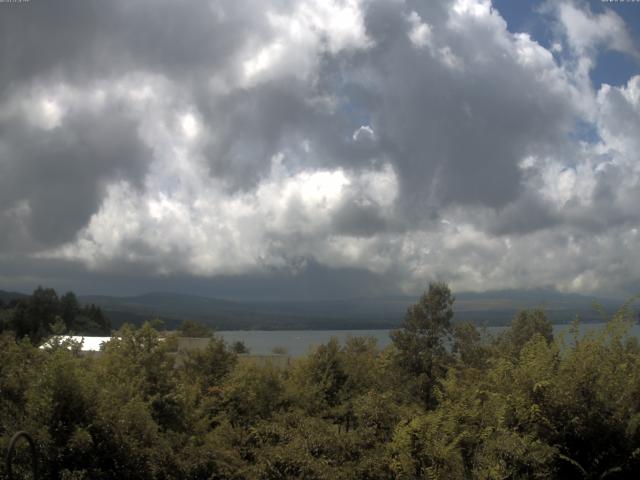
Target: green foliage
(526, 325)
(251, 393)
(43, 314)
(210, 366)
(191, 328)
(421, 341)
(239, 347)
(468, 346)
(69, 309)
(20, 364)
(522, 406)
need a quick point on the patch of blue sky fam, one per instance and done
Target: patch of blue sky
(357, 115)
(355, 109)
(526, 17)
(628, 10)
(584, 131)
(613, 68)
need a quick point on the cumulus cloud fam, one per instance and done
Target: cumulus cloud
(409, 141)
(58, 154)
(201, 228)
(587, 32)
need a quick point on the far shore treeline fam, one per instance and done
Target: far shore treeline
(441, 402)
(39, 315)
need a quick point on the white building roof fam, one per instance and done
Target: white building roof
(89, 344)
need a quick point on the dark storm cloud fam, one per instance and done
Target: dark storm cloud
(433, 106)
(464, 130)
(83, 39)
(58, 176)
(434, 123)
(528, 214)
(278, 116)
(252, 126)
(314, 282)
(359, 221)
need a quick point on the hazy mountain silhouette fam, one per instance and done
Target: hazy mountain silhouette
(491, 308)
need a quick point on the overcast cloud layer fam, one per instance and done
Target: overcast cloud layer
(361, 143)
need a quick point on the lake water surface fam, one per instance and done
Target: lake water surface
(300, 342)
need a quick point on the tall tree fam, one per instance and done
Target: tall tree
(43, 308)
(525, 326)
(69, 309)
(421, 340)
(191, 328)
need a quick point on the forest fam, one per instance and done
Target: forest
(43, 313)
(444, 401)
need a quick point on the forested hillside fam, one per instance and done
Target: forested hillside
(494, 308)
(39, 315)
(442, 402)
(485, 308)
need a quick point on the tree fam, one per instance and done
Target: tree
(69, 309)
(421, 340)
(61, 403)
(239, 347)
(44, 306)
(91, 320)
(326, 370)
(468, 346)
(208, 366)
(526, 325)
(252, 392)
(6, 316)
(33, 316)
(191, 328)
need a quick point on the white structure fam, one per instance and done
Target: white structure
(89, 344)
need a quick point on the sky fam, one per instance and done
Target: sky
(319, 148)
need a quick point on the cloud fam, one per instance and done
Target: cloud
(420, 32)
(56, 158)
(587, 32)
(407, 141)
(205, 231)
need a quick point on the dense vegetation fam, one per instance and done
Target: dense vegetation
(441, 402)
(39, 315)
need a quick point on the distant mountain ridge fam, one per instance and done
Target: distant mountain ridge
(488, 308)
(8, 296)
(491, 308)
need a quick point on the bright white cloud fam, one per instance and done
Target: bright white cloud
(416, 142)
(586, 32)
(420, 32)
(199, 228)
(299, 37)
(363, 134)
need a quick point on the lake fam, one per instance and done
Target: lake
(300, 342)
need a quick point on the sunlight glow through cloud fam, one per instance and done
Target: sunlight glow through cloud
(409, 141)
